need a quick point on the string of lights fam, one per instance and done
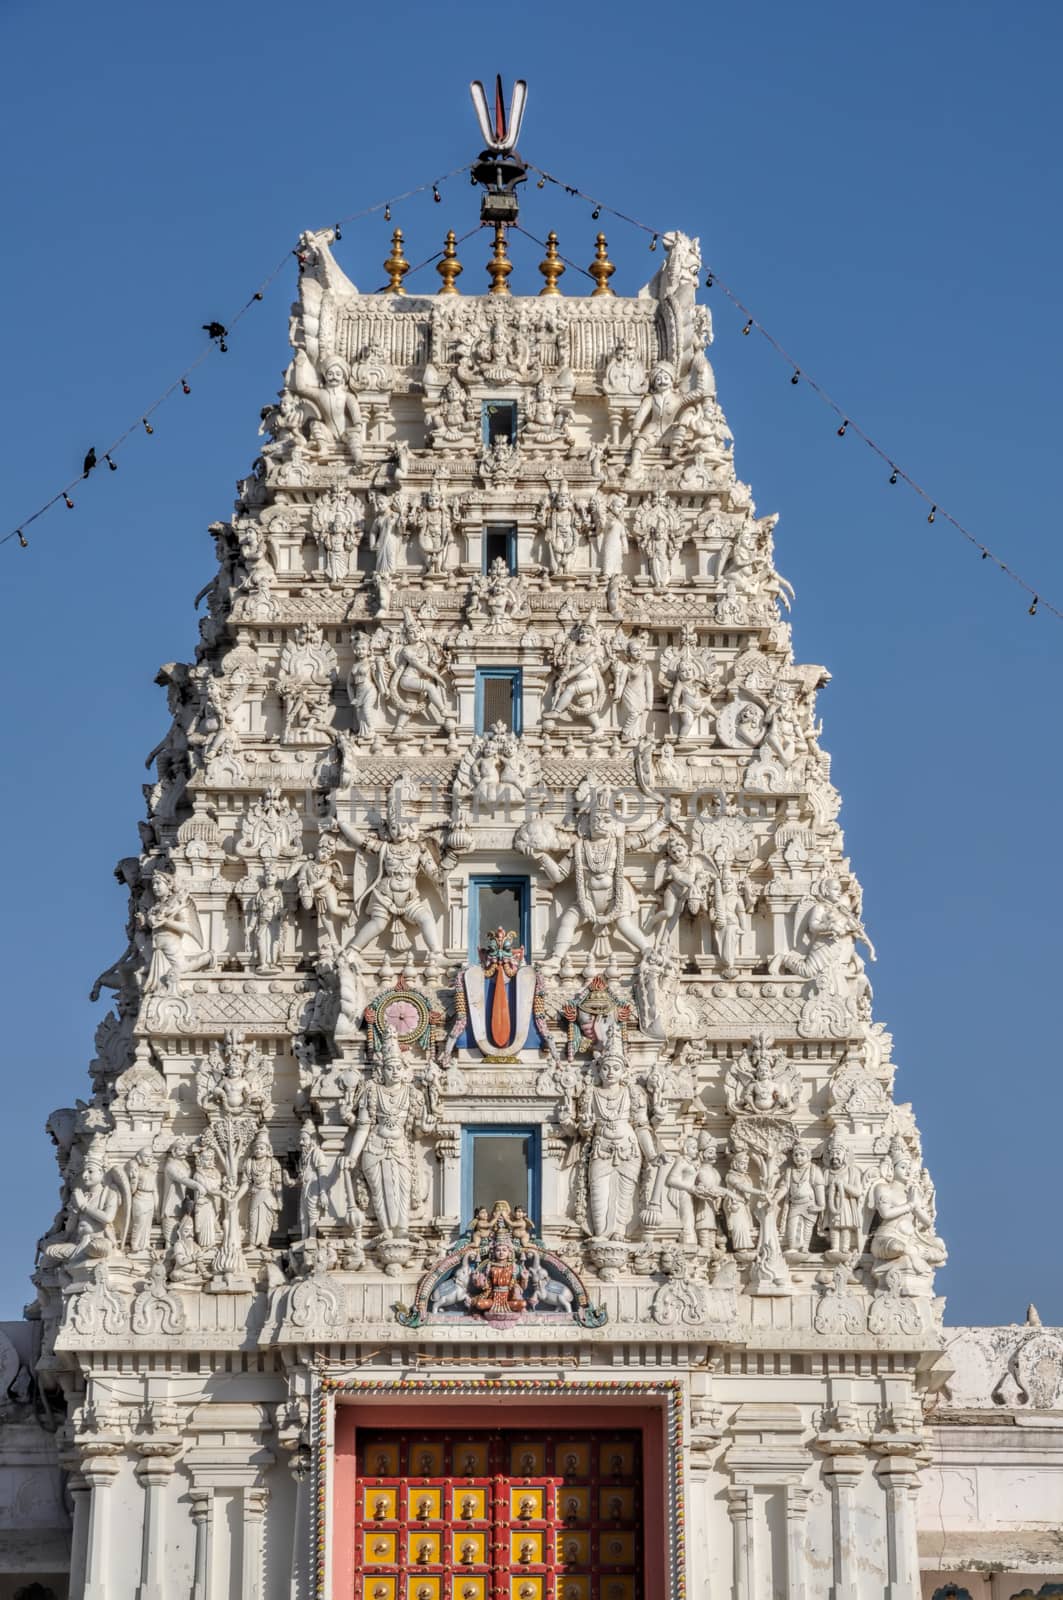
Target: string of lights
(800, 374)
(218, 333)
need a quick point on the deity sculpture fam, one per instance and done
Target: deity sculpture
(138, 1182)
(449, 418)
(694, 1182)
(826, 932)
(177, 942)
(263, 911)
(386, 539)
(336, 417)
(364, 684)
(334, 520)
(89, 1232)
(393, 900)
(762, 1082)
(311, 1165)
(748, 581)
(305, 675)
(659, 533)
(580, 660)
(434, 522)
(270, 827)
(263, 1177)
(692, 675)
(320, 883)
(803, 1198)
(612, 1118)
(739, 1193)
(562, 525)
(592, 854)
(413, 684)
(632, 686)
(843, 1195)
(390, 1112)
(905, 1251)
(498, 599)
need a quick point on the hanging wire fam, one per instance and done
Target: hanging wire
(216, 341)
(799, 373)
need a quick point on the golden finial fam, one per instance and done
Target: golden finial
(601, 268)
(396, 266)
(499, 265)
(450, 267)
(552, 266)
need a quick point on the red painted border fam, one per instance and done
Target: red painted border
(500, 1410)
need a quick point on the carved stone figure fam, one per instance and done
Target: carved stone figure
(271, 827)
(334, 520)
(263, 911)
(364, 685)
(434, 523)
(692, 676)
(89, 1233)
(390, 1113)
(612, 1118)
(387, 543)
(762, 1082)
(633, 687)
(413, 684)
(843, 1194)
(263, 1177)
(749, 584)
(659, 533)
(802, 1201)
(580, 660)
(497, 768)
(393, 900)
(177, 942)
(610, 534)
(320, 883)
(562, 526)
(905, 1251)
(498, 599)
(305, 676)
(694, 1182)
(336, 417)
(138, 1179)
(592, 854)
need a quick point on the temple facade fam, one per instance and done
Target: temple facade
(490, 1184)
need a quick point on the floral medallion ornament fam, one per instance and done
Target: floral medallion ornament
(499, 1272)
(409, 1012)
(593, 1014)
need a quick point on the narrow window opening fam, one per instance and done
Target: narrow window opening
(500, 544)
(499, 422)
(498, 699)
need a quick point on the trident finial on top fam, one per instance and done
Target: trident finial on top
(505, 132)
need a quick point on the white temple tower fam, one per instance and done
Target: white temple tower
(491, 1184)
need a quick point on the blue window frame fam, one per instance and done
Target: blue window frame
(499, 540)
(498, 421)
(498, 901)
(498, 698)
(491, 1159)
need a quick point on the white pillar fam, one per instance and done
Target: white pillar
(99, 1472)
(740, 1507)
(154, 1473)
(81, 1495)
(796, 1507)
(843, 1472)
(202, 1501)
(254, 1509)
(899, 1477)
(301, 1575)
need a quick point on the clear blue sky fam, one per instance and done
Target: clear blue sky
(880, 183)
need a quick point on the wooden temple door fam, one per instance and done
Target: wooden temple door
(498, 1515)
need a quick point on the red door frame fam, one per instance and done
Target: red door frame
(487, 1411)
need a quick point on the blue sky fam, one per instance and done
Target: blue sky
(880, 184)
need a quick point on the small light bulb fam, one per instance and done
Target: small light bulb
(796, 375)
(1033, 608)
(186, 386)
(147, 425)
(841, 430)
(540, 185)
(436, 196)
(257, 294)
(387, 213)
(749, 326)
(69, 502)
(23, 541)
(893, 475)
(337, 232)
(933, 513)
(985, 555)
(596, 213)
(112, 464)
(653, 242)
(709, 280)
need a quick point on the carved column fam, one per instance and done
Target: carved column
(741, 1504)
(843, 1471)
(81, 1496)
(154, 1472)
(899, 1476)
(796, 1509)
(99, 1470)
(300, 1470)
(202, 1502)
(254, 1510)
